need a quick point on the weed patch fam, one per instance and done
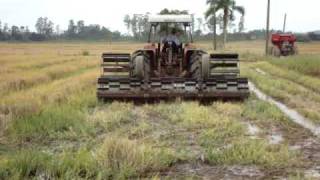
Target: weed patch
(252, 152)
(30, 164)
(54, 122)
(124, 158)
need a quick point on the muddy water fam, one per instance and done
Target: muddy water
(275, 139)
(292, 114)
(252, 129)
(313, 173)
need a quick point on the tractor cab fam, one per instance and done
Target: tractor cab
(171, 35)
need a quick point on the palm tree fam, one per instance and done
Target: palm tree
(212, 16)
(228, 7)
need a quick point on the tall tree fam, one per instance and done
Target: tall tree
(71, 32)
(241, 24)
(15, 33)
(134, 26)
(57, 30)
(48, 27)
(39, 25)
(80, 26)
(5, 28)
(228, 7)
(127, 22)
(166, 11)
(44, 26)
(200, 22)
(211, 14)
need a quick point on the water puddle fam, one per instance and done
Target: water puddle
(313, 173)
(275, 139)
(204, 171)
(247, 171)
(292, 114)
(252, 129)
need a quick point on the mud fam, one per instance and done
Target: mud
(313, 173)
(198, 170)
(292, 114)
(252, 129)
(275, 139)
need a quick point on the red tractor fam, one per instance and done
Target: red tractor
(167, 69)
(283, 45)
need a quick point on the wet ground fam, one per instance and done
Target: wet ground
(304, 142)
(291, 113)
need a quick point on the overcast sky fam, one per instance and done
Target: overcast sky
(110, 13)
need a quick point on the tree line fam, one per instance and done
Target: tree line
(47, 30)
(137, 27)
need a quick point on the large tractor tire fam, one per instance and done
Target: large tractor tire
(205, 66)
(140, 67)
(200, 66)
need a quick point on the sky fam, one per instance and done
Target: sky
(301, 17)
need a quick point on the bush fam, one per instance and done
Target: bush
(85, 53)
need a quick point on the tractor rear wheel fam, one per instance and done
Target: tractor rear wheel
(200, 66)
(195, 68)
(140, 67)
(205, 66)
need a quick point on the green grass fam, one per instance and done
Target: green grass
(292, 94)
(306, 64)
(116, 158)
(221, 133)
(29, 164)
(307, 81)
(58, 130)
(252, 152)
(56, 121)
(113, 116)
(263, 113)
(125, 141)
(126, 158)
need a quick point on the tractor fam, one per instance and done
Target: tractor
(283, 45)
(166, 69)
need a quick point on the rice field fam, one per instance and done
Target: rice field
(52, 126)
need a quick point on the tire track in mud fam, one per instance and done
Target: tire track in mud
(291, 113)
(309, 146)
(195, 165)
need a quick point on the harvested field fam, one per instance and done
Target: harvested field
(52, 126)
